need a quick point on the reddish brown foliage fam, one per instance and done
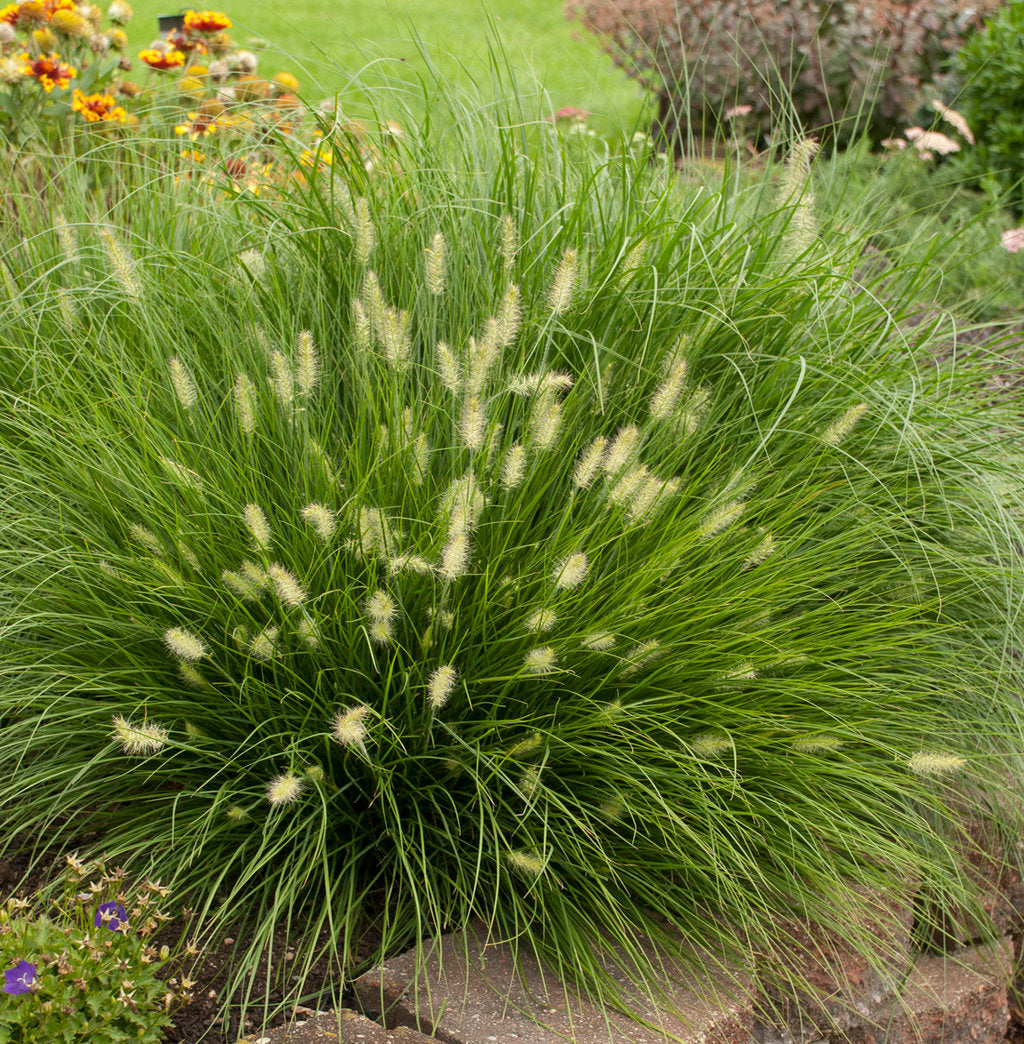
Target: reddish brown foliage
(818, 60)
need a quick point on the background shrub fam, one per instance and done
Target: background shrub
(858, 63)
(990, 66)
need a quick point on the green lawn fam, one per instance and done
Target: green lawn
(327, 44)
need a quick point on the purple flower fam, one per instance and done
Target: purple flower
(21, 978)
(112, 916)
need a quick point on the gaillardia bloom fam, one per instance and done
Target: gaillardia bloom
(98, 108)
(70, 24)
(286, 81)
(49, 70)
(180, 40)
(155, 59)
(206, 21)
(45, 39)
(111, 915)
(27, 14)
(21, 978)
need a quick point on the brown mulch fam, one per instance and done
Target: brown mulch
(1015, 1033)
(202, 1015)
(323, 984)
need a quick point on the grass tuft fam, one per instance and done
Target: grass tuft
(514, 530)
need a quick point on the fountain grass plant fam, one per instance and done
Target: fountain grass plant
(509, 531)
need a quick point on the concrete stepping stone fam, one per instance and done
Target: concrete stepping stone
(817, 982)
(946, 1000)
(472, 994)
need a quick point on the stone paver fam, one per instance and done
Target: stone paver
(830, 983)
(472, 994)
(324, 1029)
(995, 872)
(946, 1000)
(996, 876)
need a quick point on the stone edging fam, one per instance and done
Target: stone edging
(468, 991)
(945, 1000)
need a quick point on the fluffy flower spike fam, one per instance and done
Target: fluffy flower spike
(257, 524)
(138, 738)
(441, 685)
(571, 572)
(284, 789)
(184, 645)
(349, 726)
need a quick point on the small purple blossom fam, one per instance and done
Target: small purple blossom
(21, 978)
(111, 915)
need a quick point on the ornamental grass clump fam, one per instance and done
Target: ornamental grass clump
(473, 562)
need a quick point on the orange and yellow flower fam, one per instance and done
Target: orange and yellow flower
(210, 118)
(98, 108)
(200, 125)
(155, 59)
(251, 88)
(191, 87)
(180, 40)
(288, 103)
(11, 70)
(91, 13)
(206, 21)
(321, 160)
(120, 12)
(286, 82)
(25, 14)
(49, 70)
(70, 23)
(33, 12)
(45, 39)
(219, 43)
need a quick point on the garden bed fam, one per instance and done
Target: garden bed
(472, 993)
(493, 525)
